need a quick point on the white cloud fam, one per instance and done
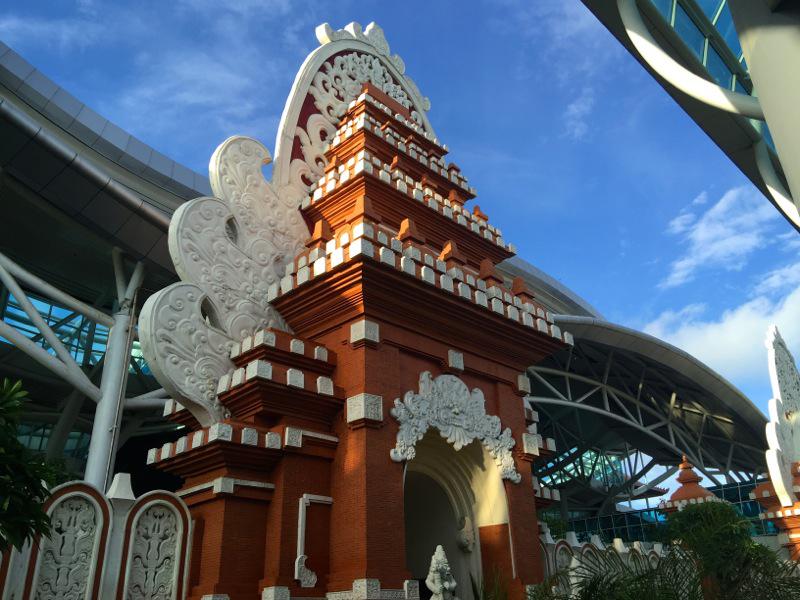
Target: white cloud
(576, 115)
(723, 237)
(732, 343)
(63, 33)
(779, 280)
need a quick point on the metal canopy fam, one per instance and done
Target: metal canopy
(618, 391)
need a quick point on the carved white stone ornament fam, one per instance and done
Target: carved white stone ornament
(67, 558)
(230, 249)
(783, 429)
(446, 404)
(153, 564)
(440, 580)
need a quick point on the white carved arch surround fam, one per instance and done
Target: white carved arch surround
(229, 250)
(446, 403)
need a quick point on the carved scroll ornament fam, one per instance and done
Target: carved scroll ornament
(446, 404)
(783, 429)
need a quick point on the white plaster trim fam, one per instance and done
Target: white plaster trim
(293, 437)
(225, 485)
(306, 577)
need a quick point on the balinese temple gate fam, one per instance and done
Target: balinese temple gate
(348, 363)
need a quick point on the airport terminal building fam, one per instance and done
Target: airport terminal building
(224, 340)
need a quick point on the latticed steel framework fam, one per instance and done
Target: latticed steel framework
(621, 416)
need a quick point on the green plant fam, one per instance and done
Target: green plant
(24, 476)
(497, 589)
(709, 556)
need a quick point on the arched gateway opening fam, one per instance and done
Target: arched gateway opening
(449, 496)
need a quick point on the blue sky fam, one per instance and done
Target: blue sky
(577, 154)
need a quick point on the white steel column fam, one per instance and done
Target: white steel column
(105, 430)
(771, 46)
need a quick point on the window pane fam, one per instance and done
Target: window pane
(665, 8)
(709, 7)
(728, 31)
(689, 32)
(717, 68)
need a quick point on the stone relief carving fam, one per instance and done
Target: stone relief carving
(460, 416)
(466, 535)
(67, 558)
(440, 580)
(783, 429)
(153, 560)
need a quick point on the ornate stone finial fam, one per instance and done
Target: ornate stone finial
(440, 580)
(373, 36)
(783, 429)
(690, 490)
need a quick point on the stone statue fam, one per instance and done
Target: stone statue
(440, 579)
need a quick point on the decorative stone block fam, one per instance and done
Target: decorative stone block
(364, 330)
(523, 383)
(361, 246)
(295, 378)
(408, 265)
(455, 360)
(297, 346)
(258, 369)
(530, 444)
(180, 444)
(247, 344)
(224, 383)
(337, 257)
(293, 437)
(319, 266)
(324, 386)
(480, 298)
(366, 589)
(555, 331)
(446, 283)
(387, 256)
(151, 456)
(272, 440)
(568, 338)
(303, 275)
(249, 436)
(364, 406)
(277, 592)
(541, 325)
(427, 274)
(238, 377)
(287, 284)
(220, 431)
(264, 338)
(363, 230)
(197, 438)
(321, 353)
(464, 291)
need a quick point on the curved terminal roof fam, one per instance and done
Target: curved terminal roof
(57, 153)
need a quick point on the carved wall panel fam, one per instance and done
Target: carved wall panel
(155, 553)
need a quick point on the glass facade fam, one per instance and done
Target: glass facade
(84, 339)
(707, 29)
(643, 525)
